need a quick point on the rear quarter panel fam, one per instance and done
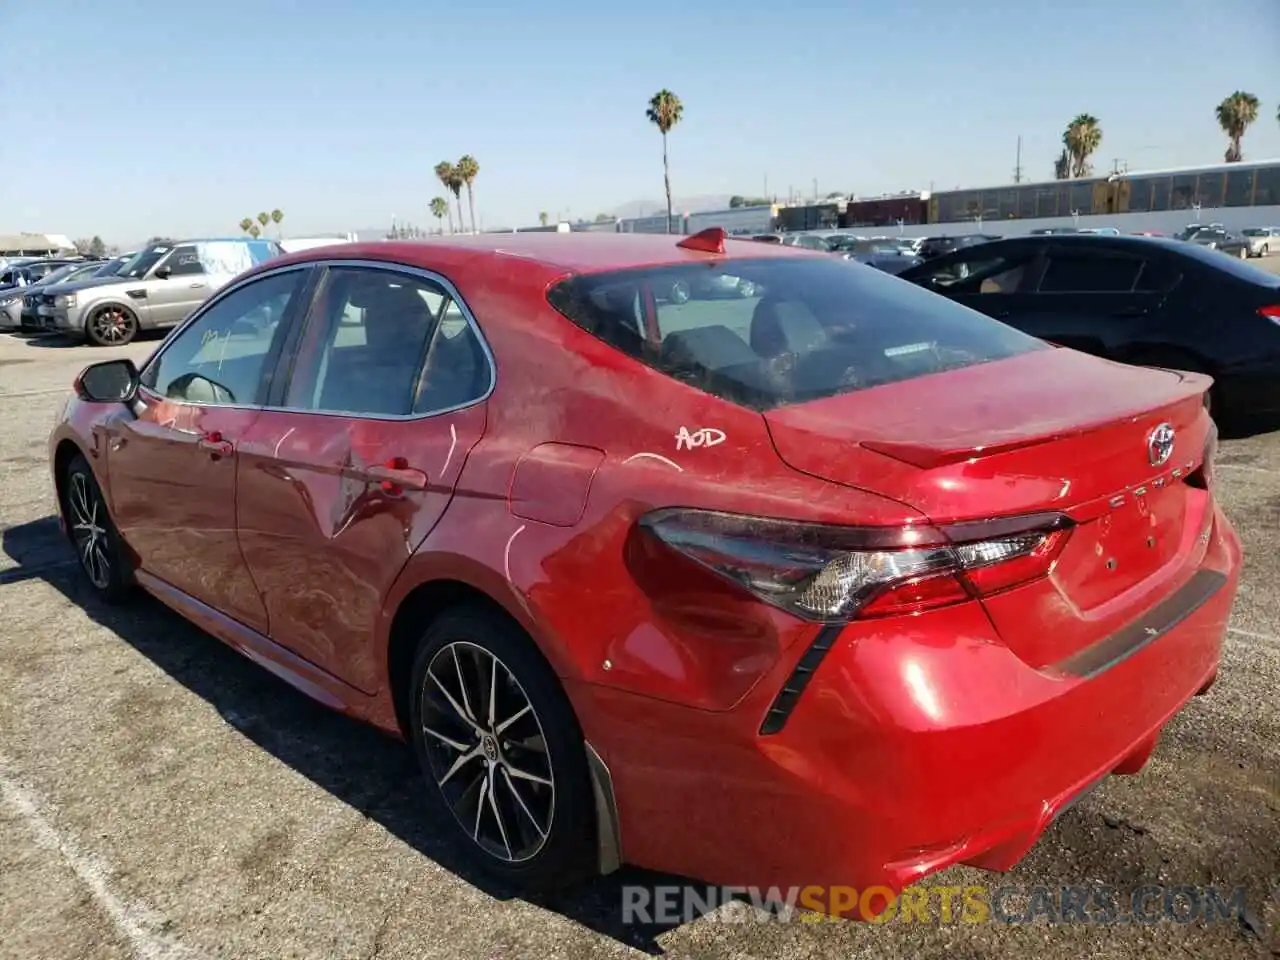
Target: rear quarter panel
(598, 601)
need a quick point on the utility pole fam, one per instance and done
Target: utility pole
(1017, 168)
(815, 189)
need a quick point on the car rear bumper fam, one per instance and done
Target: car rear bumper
(916, 745)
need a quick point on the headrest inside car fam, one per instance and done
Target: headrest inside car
(377, 292)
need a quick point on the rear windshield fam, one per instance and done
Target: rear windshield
(763, 333)
(1240, 269)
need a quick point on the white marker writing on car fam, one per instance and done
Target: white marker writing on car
(702, 437)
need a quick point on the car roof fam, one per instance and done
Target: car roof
(559, 253)
(1096, 240)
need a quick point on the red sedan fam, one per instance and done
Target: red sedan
(840, 583)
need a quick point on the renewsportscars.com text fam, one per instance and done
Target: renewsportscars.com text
(1098, 904)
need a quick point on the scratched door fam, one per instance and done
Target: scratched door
(332, 500)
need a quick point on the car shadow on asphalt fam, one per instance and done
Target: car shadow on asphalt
(59, 341)
(47, 340)
(359, 766)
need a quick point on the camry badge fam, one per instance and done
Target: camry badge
(1160, 445)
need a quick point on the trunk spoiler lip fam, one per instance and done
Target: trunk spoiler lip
(927, 456)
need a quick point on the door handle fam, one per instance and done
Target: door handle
(216, 444)
(196, 286)
(396, 475)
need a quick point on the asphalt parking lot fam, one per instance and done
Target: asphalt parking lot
(161, 797)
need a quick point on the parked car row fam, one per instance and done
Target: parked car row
(155, 288)
(1251, 242)
(17, 300)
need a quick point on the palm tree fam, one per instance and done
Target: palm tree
(276, 216)
(446, 175)
(467, 170)
(543, 217)
(1234, 116)
(245, 224)
(255, 231)
(440, 209)
(665, 111)
(455, 187)
(1062, 166)
(1085, 136)
(1082, 138)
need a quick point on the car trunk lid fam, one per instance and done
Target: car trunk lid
(1048, 431)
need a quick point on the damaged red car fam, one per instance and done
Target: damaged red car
(830, 582)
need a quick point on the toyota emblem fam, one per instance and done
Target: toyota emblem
(1160, 445)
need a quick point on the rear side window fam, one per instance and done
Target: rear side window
(385, 343)
(1240, 269)
(1080, 274)
(764, 333)
(184, 262)
(1157, 276)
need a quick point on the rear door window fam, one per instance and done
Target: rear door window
(383, 343)
(980, 272)
(1076, 273)
(1157, 276)
(184, 262)
(763, 333)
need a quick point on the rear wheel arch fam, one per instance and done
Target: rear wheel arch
(425, 603)
(432, 600)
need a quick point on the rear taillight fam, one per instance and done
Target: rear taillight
(834, 574)
(1271, 313)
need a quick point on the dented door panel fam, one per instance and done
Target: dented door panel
(329, 511)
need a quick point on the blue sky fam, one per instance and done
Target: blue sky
(144, 117)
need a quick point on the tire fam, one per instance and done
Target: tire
(112, 325)
(94, 537)
(536, 830)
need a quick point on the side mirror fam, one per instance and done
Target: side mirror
(112, 381)
(163, 273)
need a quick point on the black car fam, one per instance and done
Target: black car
(1142, 300)
(886, 255)
(941, 246)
